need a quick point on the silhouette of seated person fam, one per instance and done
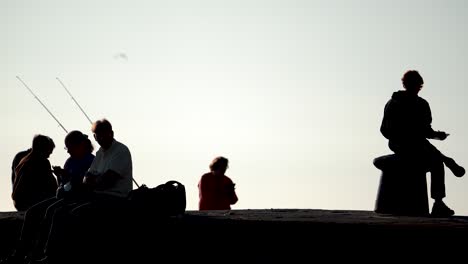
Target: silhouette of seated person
(34, 181)
(106, 186)
(38, 218)
(407, 126)
(216, 190)
(76, 166)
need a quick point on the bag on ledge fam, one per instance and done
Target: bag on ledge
(166, 199)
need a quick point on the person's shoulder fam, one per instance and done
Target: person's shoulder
(227, 179)
(68, 160)
(121, 146)
(99, 151)
(208, 174)
(22, 153)
(89, 157)
(423, 101)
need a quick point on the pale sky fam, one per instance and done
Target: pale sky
(291, 92)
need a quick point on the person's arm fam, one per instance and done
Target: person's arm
(388, 126)
(89, 179)
(107, 179)
(427, 122)
(203, 188)
(42, 180)
(234, 198)
(232, 192)
(63, 175)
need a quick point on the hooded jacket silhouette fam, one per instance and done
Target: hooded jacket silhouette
(407, 121)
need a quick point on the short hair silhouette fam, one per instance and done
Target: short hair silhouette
(412, 79)
(219, 163)
(42, 143)
(76, 137)
(101, 125)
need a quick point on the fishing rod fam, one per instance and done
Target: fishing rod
(63, 85)
(37, 98)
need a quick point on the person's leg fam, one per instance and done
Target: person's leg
(434, 160)
(38, 250)
(61, 222)
(32, 221)
(456, 169)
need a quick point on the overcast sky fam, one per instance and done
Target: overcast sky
(291, 92)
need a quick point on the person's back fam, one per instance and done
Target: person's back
(216, 190)
(34, 181)
(16, 160)
(407, 121)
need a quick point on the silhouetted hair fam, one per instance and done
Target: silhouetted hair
(412, 79)
(76, 137)
(89, 145)
(42, 143)
(101, 125)
(219, 163)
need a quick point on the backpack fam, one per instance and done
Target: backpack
(166, 199)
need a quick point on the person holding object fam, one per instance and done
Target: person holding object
(70, 177)
(104, 190)
(407, 125)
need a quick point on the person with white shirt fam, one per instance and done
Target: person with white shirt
(111, 171)
(106, 184)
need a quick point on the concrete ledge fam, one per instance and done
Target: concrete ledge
(289, 235)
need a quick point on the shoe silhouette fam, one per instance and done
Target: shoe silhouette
(440, 209)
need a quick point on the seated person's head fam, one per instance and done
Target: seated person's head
(412, 81)
(78, 144)
(42, 146)
(219, 165)
(102, 130)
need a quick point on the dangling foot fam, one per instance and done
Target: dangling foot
(440, 209)
(456, 169)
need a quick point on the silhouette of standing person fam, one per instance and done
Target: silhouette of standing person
(216, 190)
(407, 125)
(34, 181)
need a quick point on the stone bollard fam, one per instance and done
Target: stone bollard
(402, 188)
